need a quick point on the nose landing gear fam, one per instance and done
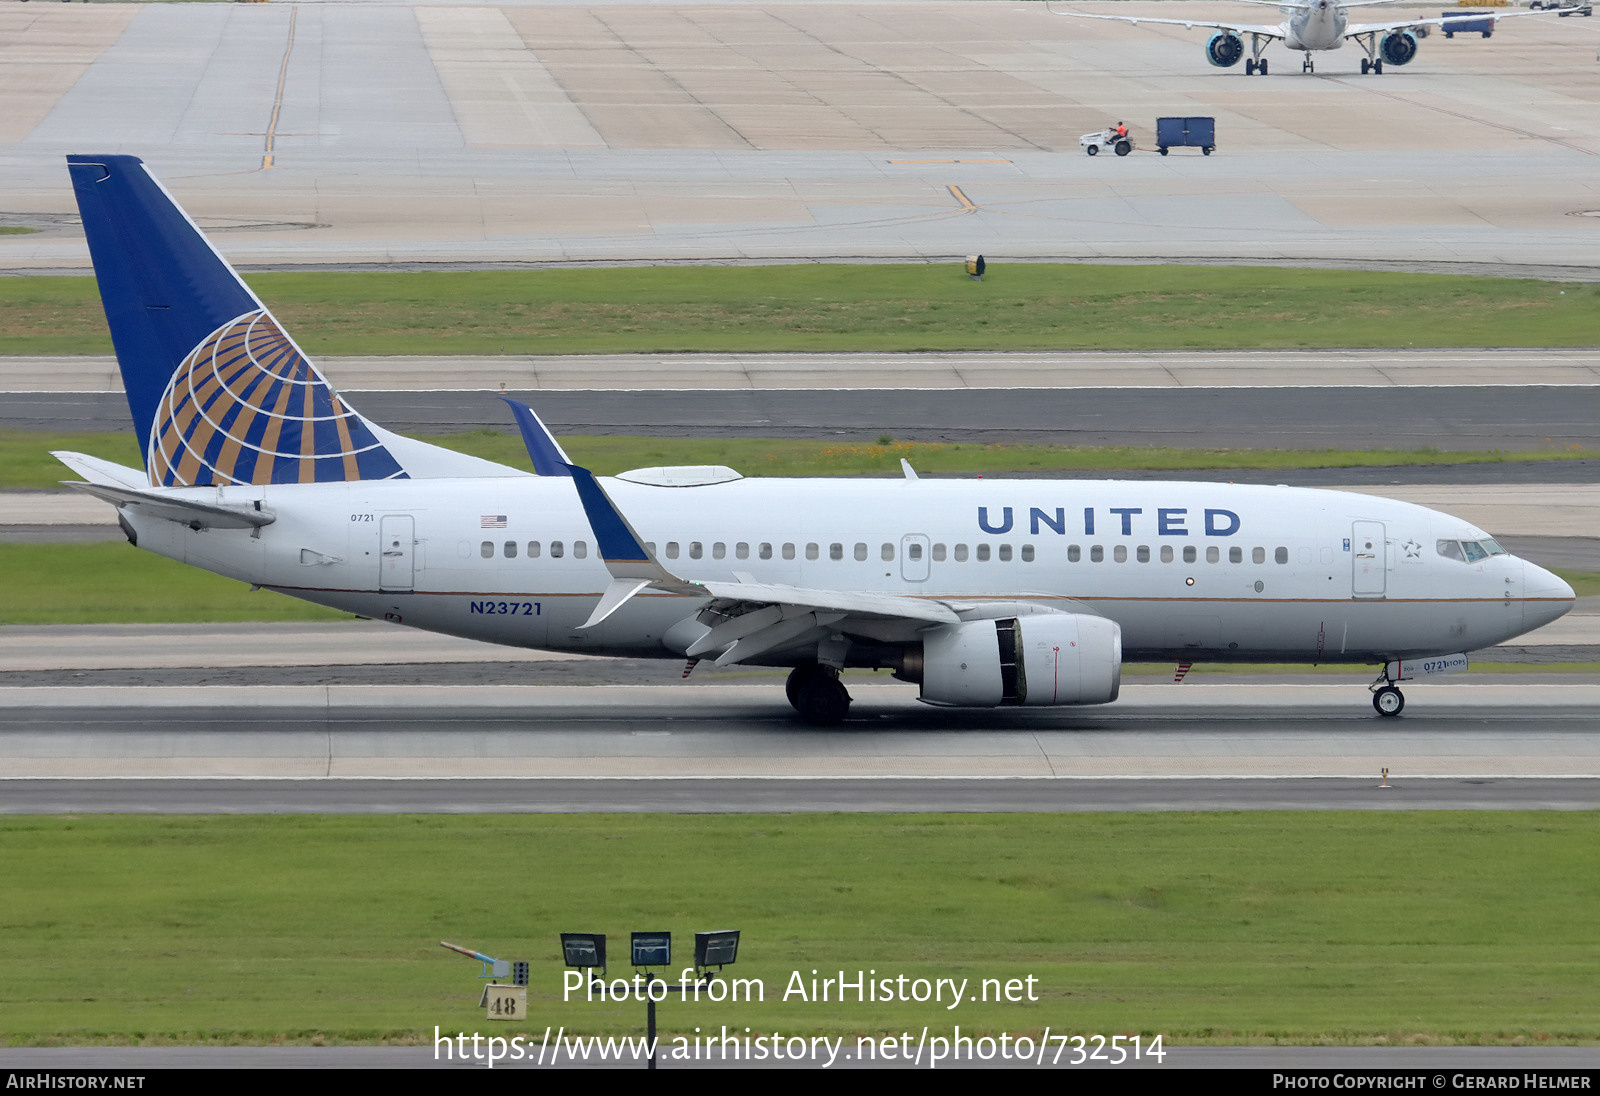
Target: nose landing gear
(1387, 700)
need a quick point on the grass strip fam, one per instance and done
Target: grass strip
(25, 460)
(816, 307)
(1316, 927)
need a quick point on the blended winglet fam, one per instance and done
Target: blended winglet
(549, 459)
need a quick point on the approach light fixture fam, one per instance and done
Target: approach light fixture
(652, 949)
(715, 949)
(585, 950)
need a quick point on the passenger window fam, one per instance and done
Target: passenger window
(913, 552)
(788, 551)
(887, 552)
(1074, 553)
(533, 549)
(1258, 555)
(580, 549)
(1281, 555)
(719, 550)
(1166, 553)
(1213, 554)
(861, 551)
(511, 549)
(1235, 554)
(1005, 553)
(938, 553)
(1119, 554)
(961, 553)
(741, 550)
(766, 551)
(486, 549)
(1027, 553)
(1143, 554)
(557, 549)
(695, 549)
(672, 549)
(1189, 554)
(836, 550)
(983, 553)
(813, 551)
(1097, 554)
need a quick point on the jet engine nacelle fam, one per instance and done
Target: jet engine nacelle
(1224, 49)
(1398, 47)
(1042, 660)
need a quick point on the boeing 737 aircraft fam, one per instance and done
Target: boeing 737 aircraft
(1310, 25)
(984, 592)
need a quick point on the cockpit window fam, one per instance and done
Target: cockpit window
(1469, 551)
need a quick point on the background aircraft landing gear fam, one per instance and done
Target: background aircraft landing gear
(1388, 701)
(817, 694)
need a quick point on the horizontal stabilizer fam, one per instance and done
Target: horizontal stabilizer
(98, 470)
(196, 515)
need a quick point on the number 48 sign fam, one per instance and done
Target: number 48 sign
(504, 1002)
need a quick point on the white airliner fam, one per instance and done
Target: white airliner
(984, 592)
(1310, 26)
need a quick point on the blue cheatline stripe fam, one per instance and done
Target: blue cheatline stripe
(611, 532)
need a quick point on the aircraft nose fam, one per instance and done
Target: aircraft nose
(1547, 596)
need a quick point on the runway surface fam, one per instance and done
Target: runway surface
(384, 133)
(747, 732)
(1479, 418)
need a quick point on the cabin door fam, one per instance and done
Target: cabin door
(1369, 559)
(397, 548)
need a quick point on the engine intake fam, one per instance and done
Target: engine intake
(1398, 47)
(1042, 660)
(1224, 49)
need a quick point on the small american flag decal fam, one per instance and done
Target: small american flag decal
(494, 521)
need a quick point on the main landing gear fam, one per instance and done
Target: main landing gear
(817, 694)
(1374, 67)
(1387, 700)
(1252, 68)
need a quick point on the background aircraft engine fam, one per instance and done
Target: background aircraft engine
(1041, 660)
(1224, 49)
(1398, 47)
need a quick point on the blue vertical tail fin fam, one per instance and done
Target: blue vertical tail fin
(219, 392)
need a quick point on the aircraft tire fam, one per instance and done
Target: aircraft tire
(1262, 67)
(1162, 150)
(1249, 68)
(1124, 147)
(1388, 701)
(824, 701)
(1206, 150)
(1092, 150)
(1377, 68)
(800, 679)
(1366, 66)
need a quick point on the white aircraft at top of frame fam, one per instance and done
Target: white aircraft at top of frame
(1311, 26)
(984, 592)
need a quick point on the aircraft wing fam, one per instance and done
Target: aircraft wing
(747, 618)
(1356, 29)
(1265, 31)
